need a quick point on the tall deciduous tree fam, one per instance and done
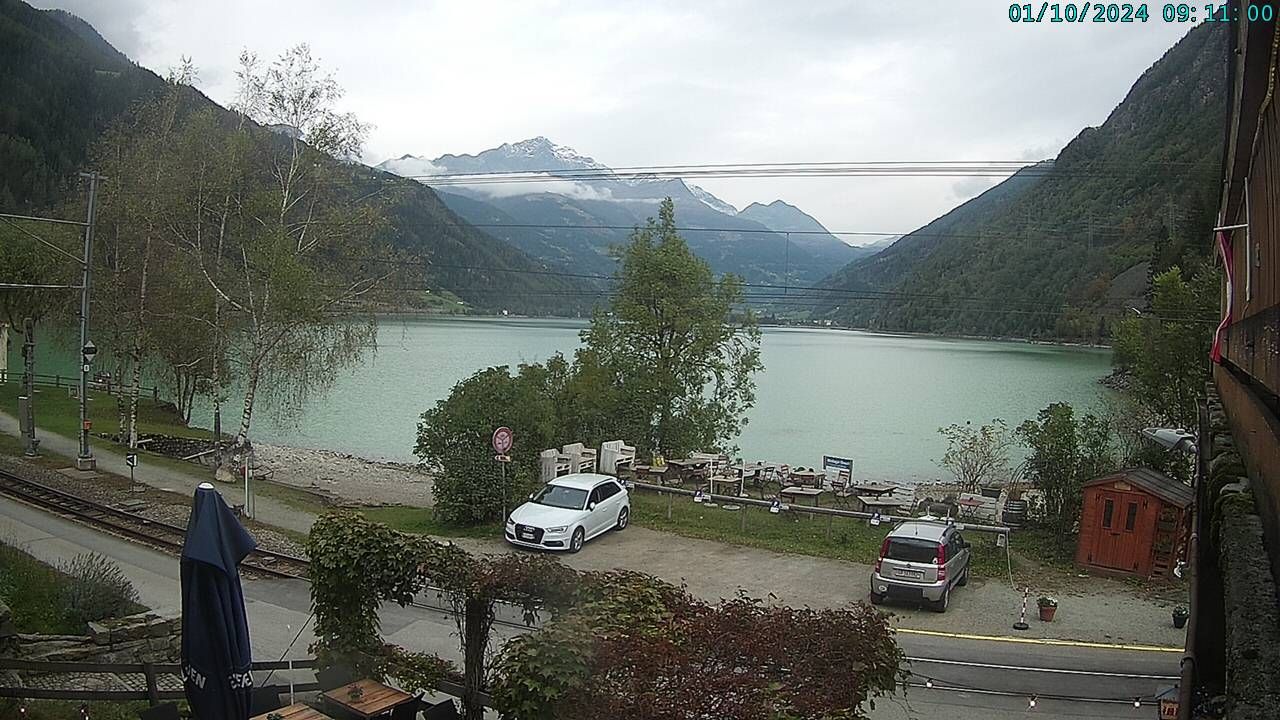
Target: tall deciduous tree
(454, 439)
(977, 455)
(668, 354)
(1167, 348)
(1064, 452)
(285, 244)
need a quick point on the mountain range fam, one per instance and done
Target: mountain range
(1058, 249)
(62, 86)
(573, 221)
(1063, 248)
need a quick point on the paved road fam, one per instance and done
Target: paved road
(279, 615)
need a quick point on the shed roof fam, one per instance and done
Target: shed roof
(1162, 486)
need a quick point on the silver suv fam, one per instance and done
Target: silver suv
(921, 560)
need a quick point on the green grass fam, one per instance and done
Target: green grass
(58, 412)
(293, 497)
(829, 537)
(34, 592)
(423, 522)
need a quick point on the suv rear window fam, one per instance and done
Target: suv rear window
(912, 550)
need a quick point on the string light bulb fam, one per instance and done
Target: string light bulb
(1137, 702)
(928, 682)
(1031, 703)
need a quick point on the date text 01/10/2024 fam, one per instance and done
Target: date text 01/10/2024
(1090, 12)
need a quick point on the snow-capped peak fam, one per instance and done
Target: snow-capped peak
(711, 201)
(542, 147)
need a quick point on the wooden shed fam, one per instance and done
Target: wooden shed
(1133, 522)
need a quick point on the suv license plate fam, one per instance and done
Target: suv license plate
(913, 574)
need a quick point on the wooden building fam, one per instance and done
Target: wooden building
(1133, 522)
(1234, 639)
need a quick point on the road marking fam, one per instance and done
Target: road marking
(1022, 668)
(1041, 641)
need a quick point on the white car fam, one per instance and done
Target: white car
(569, 511)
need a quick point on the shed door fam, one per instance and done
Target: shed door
(1119, 519)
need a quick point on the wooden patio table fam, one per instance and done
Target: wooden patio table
(297, 711)
(375, 699)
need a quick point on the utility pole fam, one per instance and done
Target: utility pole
(26, 403)
(85, 460)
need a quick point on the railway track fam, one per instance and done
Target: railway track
(131, 525)
(169, 537)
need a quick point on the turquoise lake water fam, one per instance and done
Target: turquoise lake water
(877, 398)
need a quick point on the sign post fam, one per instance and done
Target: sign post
(503, 439)
(131, 459)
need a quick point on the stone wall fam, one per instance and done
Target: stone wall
(142, 638)
(1250, 617)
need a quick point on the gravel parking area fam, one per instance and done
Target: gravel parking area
(1095, 610)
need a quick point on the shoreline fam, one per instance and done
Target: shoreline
(811, 325)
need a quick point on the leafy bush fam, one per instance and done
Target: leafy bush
(97, 589)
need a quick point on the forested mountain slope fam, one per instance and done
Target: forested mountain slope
(62, 86)
(1045, 253)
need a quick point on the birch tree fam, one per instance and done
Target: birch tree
(281, 260)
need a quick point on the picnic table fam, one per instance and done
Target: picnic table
(375, 698)
(296, 711)
(872, 490)
(880, 504)
(797, 491)
(646, 473)
(690, 469)
(807, 478)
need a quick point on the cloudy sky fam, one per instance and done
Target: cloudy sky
(664, 83)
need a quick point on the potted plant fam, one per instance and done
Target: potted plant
(355, 692)
(1180, 616)
(1048, 606)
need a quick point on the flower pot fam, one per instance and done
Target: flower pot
(1179, 620)
(1047, 611)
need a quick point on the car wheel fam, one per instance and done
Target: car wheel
(964, 578)
(877, 599)
(575, 543)
(941, 605)
(623, 518)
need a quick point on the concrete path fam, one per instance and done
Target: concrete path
(163, 477)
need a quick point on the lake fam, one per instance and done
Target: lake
(879, 399)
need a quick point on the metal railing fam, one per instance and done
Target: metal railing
(152, 672)
(72, 382)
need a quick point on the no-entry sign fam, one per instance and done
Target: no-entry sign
(502, 440)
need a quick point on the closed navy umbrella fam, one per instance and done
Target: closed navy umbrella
(215, 632)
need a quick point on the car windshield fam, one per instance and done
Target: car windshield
(561, 497)
(912, 550)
